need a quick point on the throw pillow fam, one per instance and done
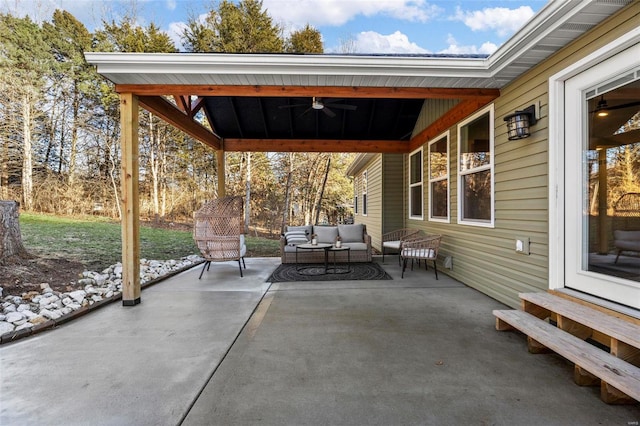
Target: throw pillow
(326, 234)
(295, 237)
(351, 233)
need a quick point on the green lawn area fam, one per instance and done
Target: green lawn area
(96, 242)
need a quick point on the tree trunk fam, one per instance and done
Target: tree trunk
(321, 194)
(10, 236)
(287, 195)
(27, 167)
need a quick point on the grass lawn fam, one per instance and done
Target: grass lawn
(96, 241)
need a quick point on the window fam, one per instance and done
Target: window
(364, 193)
(415, 185)
(355, 195)
(439, 179)
(475, 169)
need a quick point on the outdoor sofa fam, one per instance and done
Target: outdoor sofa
(354, 236)
(626, 241)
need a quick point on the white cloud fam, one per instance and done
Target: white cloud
(339, 12)
(502, 20)
(454, 48)
(171, 4)
(175, 33)
(373, 42)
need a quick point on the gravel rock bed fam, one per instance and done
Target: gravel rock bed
(23, 315)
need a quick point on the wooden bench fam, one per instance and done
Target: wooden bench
(615, 366)
(622, 337)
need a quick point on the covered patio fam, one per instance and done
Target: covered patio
(227, 350)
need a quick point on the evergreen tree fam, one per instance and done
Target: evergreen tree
(306, 40)
(234, 28)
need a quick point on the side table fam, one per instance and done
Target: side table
(318, 246)
(335, 250)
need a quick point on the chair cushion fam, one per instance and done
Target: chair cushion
(419, 253)
(392, 244)
(356, 246)
(351, 233)
(326, 234)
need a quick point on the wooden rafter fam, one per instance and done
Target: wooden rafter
(172, 115)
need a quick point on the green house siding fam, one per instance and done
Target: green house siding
(385, 196)
(373, 218)
(485, 258)
(393, 193)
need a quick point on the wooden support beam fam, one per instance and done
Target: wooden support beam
(130, 200)
(197, 105)
(456, 114)
(172, 115)
(316, 145)
(308, 91)
(222, 190)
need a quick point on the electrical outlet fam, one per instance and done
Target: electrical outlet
(448, 262)
(522, 245)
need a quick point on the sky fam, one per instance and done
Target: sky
(368, 26)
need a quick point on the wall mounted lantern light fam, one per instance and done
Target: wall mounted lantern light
(519, 122)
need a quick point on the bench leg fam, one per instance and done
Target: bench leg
(536, 347)
(583, 378)
(611, 395)
(502, 325)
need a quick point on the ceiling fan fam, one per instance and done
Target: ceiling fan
(322, 104)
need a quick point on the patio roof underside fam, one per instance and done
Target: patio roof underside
(343, 120)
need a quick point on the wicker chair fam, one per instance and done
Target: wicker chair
(393, 240)
(421, 249)
(219, 231)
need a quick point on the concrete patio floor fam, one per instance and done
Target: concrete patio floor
(227, 350)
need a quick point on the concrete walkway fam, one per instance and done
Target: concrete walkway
(232, 351)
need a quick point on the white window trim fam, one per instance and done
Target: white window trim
(557, 145)
(481, 223)
(445, 135)
(356, 206)
(421, 183)
(365, 184)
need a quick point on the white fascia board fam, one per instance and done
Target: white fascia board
(257, 64)
(359, 162)
(552, 16)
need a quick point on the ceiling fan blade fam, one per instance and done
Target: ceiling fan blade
(291, 106)
(305, 111)
(342, 106)
(327, 111)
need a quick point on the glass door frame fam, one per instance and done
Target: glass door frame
(560, 251)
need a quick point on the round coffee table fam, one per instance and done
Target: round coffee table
(319, 246)
(335, 250)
